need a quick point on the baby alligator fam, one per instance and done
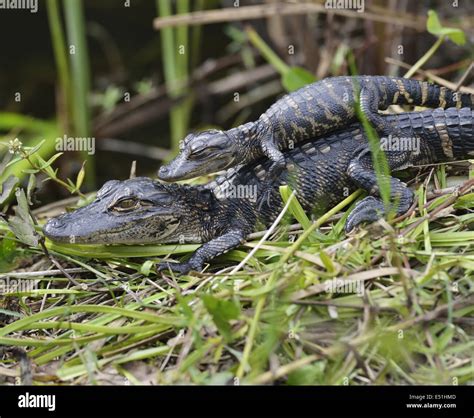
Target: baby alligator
(221, 214)
(311, 111)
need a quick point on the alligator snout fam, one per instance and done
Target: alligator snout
(166, 174)
(55, 228)
(54, 223)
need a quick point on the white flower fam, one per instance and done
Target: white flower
(14, 146)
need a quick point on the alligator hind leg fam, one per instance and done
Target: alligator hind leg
(372, 208)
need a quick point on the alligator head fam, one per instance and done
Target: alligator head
(201, 153)
(134, 211)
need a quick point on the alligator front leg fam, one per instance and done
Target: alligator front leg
(371, 208)
(270, 150)
(206, 252)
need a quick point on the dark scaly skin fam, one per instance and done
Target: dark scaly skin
(311, 111)
(321, 172)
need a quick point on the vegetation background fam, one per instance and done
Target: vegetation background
(136, 76)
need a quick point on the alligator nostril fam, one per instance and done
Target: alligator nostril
(55, 223)
(163, 170)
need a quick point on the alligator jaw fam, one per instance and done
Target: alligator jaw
(201, 154)
(183, 169)
(155, 216)
(65, 230)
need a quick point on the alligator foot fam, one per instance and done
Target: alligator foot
(369, 209)
(274, 173)
(179, 268)
(372, 208)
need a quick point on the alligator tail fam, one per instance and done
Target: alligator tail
(421, 93)
(455, 129)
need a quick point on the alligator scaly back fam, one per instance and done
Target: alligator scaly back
(313, 110)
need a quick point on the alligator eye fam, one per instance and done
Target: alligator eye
(125, 204)
(202, 152)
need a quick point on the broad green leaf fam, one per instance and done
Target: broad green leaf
(23, 231)
(7, 188)
(433, 25)
(22, 224)
(22, 209)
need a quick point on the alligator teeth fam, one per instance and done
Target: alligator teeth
(169, 225)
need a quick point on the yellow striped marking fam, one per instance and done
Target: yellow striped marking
(442, 97)
(446, 142)
(424, 92)
(395, 97)
(403, 91)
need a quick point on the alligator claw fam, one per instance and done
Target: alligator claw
(265, 195)
(369, 209)
(273, 175)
